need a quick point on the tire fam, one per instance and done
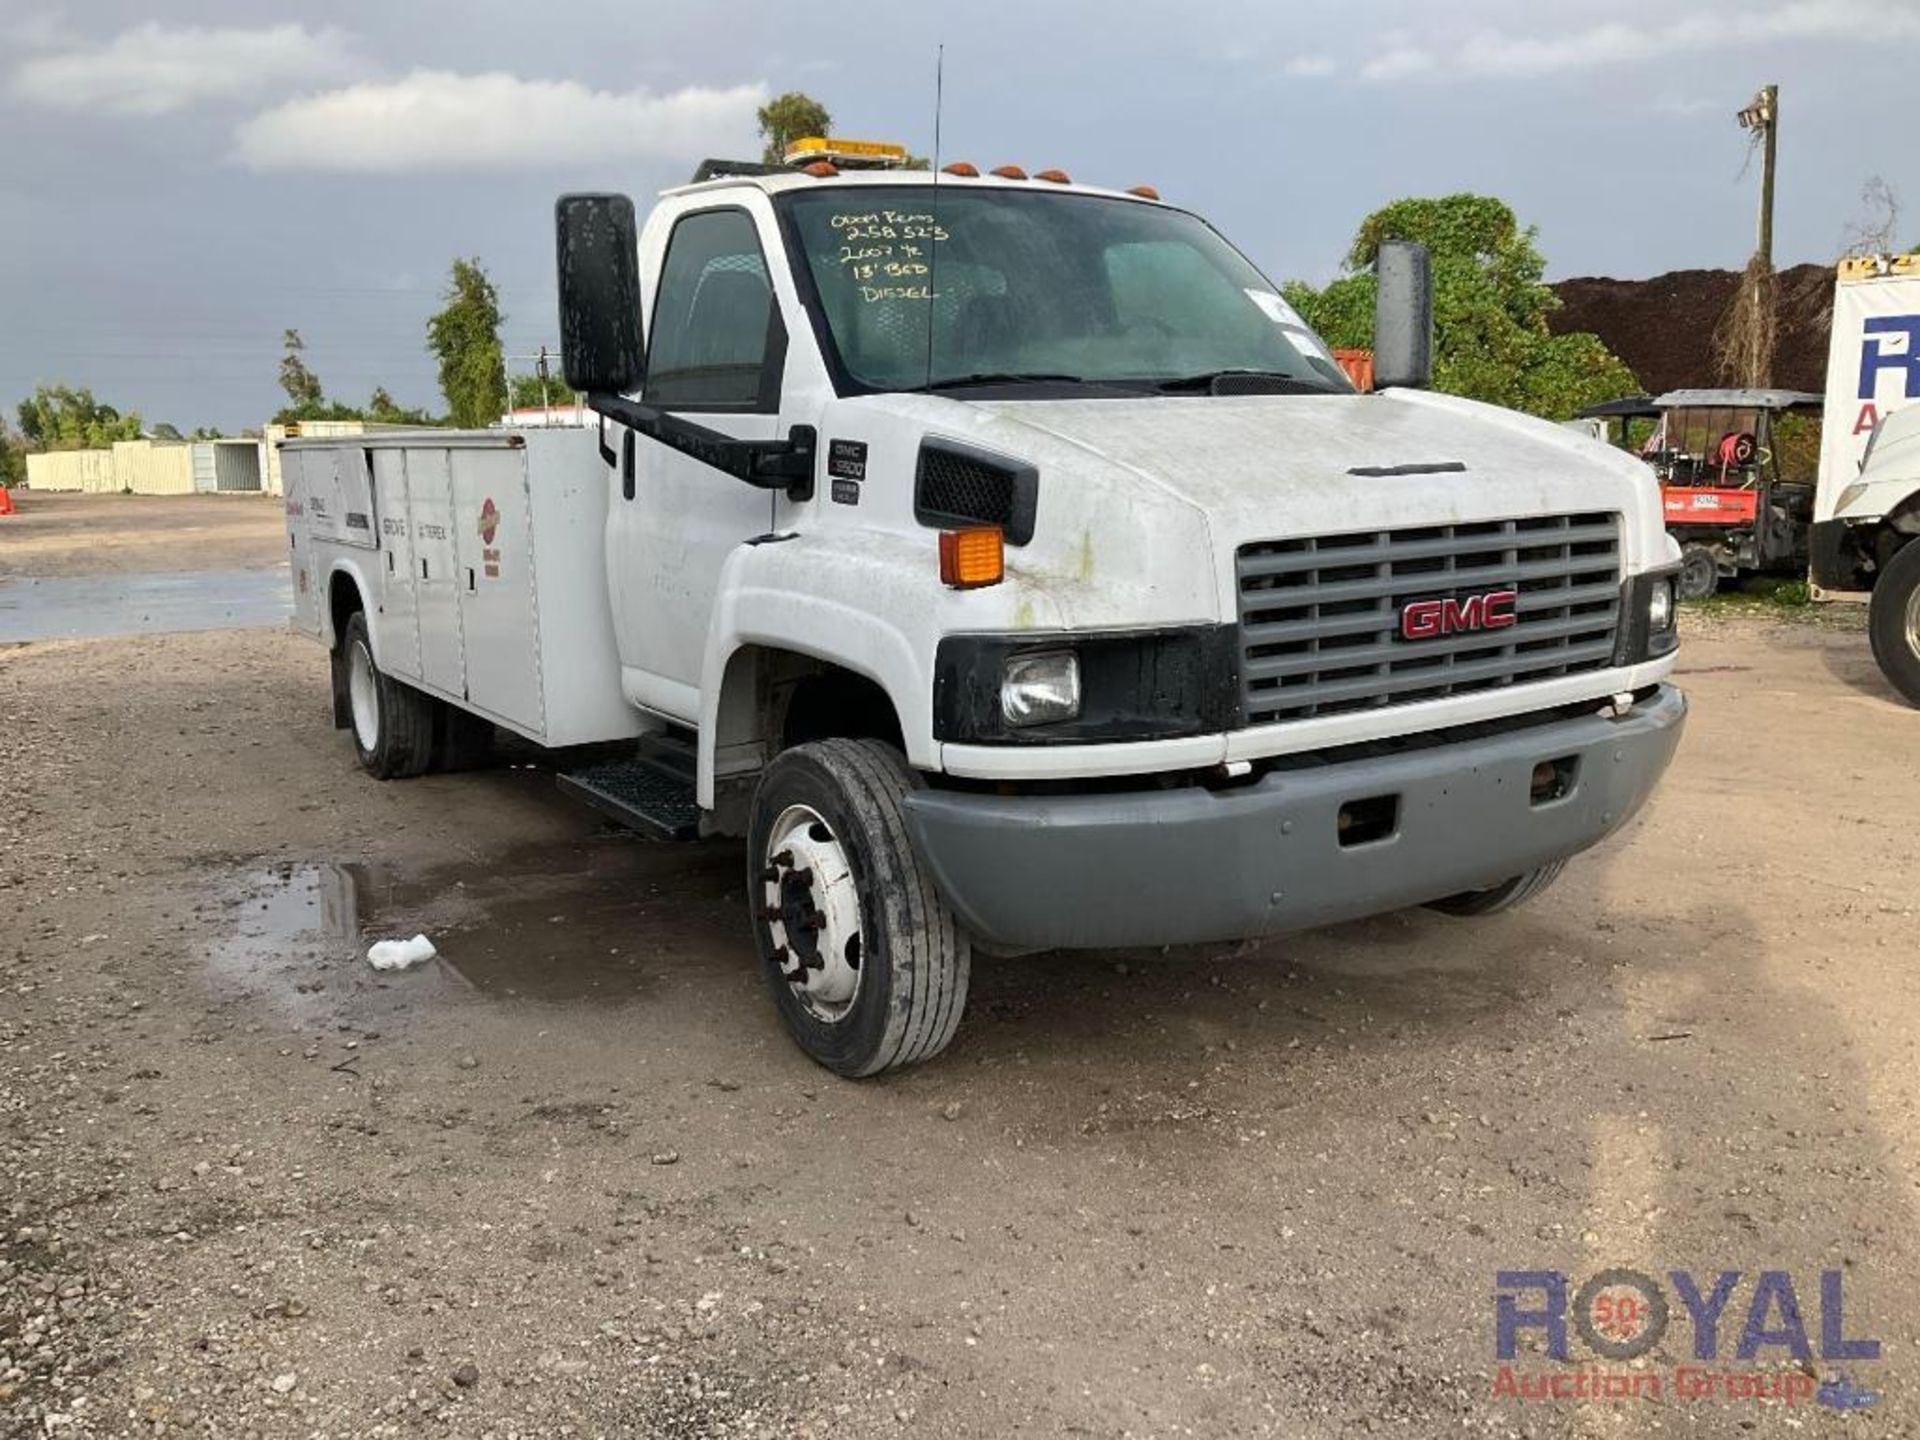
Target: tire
(1699, 572)
(392, 724)
(1471, 904)
(462, 740)
(867, 966)
(1893, 621)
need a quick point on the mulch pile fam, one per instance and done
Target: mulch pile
(1663, 327)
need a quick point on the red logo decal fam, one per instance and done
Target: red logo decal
(1429, 619)
(489, 520)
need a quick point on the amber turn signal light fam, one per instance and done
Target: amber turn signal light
(972, 558)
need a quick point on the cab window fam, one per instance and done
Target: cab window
(716, 341)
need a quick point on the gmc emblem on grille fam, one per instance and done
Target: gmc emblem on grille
(1429, 619)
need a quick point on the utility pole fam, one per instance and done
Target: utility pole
(1744, 341)
(1763, 118)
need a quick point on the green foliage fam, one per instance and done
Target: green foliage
(465, 336)
(59, 417)
(207, 432)
(300, 383)
(526, 392)
(13, 456)
(383, 409)
(787, 118)
(1490, 308)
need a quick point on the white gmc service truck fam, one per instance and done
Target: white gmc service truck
(1008, 563)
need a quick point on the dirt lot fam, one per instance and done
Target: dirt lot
(572, 1180)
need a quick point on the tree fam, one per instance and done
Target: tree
(529, 392)
(59, 417)
(787, 118)
(303, 388)
(383, 409)
(465, 336)
(1490, 308)
(13, 456)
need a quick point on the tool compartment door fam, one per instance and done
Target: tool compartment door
(436, 598)
(398, 621)
(494, 545)
(300, 557)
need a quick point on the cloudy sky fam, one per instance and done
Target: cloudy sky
(180, 180)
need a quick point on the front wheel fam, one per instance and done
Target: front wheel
(867, 966)
(1893, 621)
(1504, 896)
(1699, 572)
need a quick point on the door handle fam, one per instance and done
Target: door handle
(626, 466)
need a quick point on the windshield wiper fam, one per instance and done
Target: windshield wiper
(995, 377)
(1282, 384)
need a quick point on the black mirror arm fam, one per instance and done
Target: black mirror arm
(765, 464)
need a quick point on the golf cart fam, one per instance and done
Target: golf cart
(1727, 501)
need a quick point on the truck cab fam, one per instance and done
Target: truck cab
(1020, 571)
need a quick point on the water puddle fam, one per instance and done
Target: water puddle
(599, 921)
(68, 607)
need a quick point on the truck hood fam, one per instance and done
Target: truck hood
(1144, 501)
(1301, 465)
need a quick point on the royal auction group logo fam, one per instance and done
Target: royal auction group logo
(1757, 1322)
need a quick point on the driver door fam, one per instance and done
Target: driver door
(716, 351)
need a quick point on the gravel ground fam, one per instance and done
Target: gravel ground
(573, 1180)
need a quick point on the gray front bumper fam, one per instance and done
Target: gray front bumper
(1171, 867)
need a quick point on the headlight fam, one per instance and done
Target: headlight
(1660, 606)
(1040, 689)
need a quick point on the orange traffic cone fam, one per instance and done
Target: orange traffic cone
(6, 501)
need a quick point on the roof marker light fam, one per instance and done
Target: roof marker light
(1011, 172)
(963, 169)
(1055, 177)
(1145, 192)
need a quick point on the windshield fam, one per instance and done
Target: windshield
(1026, 286)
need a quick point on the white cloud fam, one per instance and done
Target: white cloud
(1496, 52)
(154, 70)
(1398, 63)
(437, 120)
(1310, 67)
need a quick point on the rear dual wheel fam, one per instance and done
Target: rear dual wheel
(867, 966)
(399, 732)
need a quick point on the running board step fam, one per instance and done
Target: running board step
(643, 796)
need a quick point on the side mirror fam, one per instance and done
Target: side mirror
(1403, 317)
(597, 247)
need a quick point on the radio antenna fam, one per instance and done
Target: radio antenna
(933, 230)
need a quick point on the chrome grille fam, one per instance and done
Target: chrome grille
(1320, 616)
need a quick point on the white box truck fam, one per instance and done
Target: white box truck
(1867, 507)
(1011, 567)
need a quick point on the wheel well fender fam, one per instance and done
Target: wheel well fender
(346, 593)
(774, 684)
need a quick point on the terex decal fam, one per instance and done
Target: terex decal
(489, 527)
(1430, 619)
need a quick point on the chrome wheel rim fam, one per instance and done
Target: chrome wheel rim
(363, 697)
(811, 906)
(1913, 622)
